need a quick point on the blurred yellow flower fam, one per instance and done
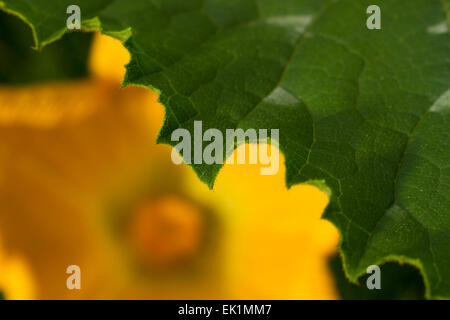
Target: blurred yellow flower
(82, 182)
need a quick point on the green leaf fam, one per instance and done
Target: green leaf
(398, 282)
(366, 111)
(20, 64)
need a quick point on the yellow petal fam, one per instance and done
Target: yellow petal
(16, 280)
(276, 244)
(50, 104)
(108, 58)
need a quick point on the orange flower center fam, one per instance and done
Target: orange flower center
(166, 231)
